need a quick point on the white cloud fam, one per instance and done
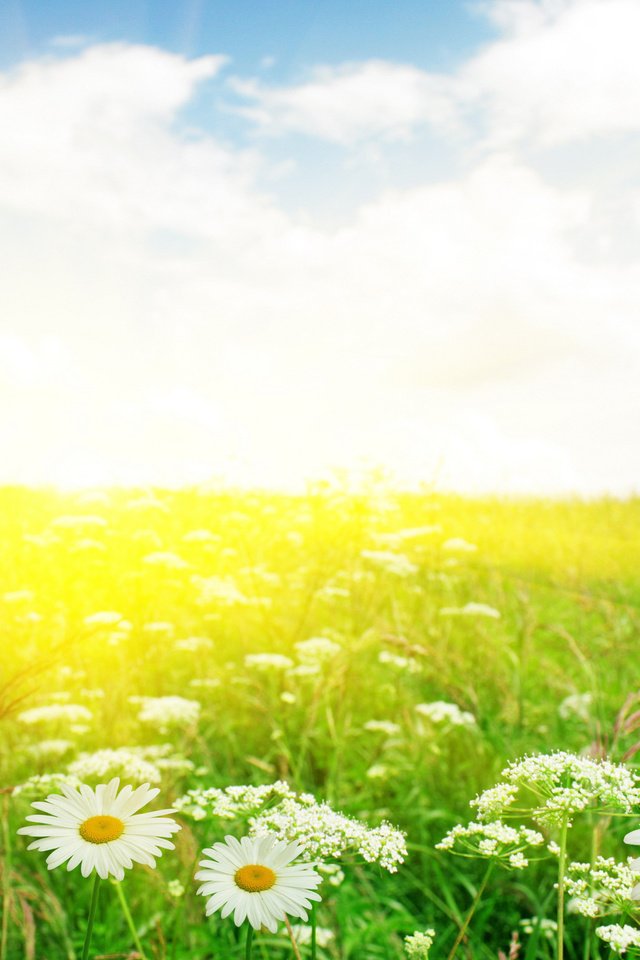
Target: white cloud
(167, 320)
(351, 102)
(563, 71)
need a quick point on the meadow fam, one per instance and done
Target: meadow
(389, 653)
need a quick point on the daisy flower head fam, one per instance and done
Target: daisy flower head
(100, 829)
(257, 880)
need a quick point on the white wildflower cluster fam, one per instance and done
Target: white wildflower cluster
(332, 872)
(379, 771)
(175, 889)
(193, 644)
(165, 559)
(387, 727)
(201, 536)
(471, 610)
(325, 834)
(274, 808)
(562, 784)
(494, 802)
(103, 765)
(399, 663)
(103, 618)
(576, 705)
(603, 887)
(441, 712)
(72, 522)
(331, 591)
(418, 944)
(165, 713)
(207, 683)
(56, 713)
(396, 537)
(224, 591)
(159, 628)
(396, 563)
(19, 596)
(50, 749)
(268, 661)
(495, 840)
(43, 784)
(231, 802)
(620, 938)
(317, 650)
(302, 935)
(459, 545)
(548, 928)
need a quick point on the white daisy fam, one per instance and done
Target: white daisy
(100, 829)
(255, 878)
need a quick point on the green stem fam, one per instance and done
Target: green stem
(247, 953)
(92, 914)
(472, 910)
(6, 877)
(595, 842)
(314, 930)
(129, 919)
(562, 861)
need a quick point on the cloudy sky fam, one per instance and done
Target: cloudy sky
(260, 240)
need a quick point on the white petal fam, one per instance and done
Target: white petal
(88, 861)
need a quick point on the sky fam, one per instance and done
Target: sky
(261, 242)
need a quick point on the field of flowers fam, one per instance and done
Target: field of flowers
(333, 677)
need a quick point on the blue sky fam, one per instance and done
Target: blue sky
(429, 33)
(260, 241)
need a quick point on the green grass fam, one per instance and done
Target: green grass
(562, 574)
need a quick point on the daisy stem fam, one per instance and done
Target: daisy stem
(92, 914)
(292, 938)
(129, 919)
(247, 953)
(314, 928)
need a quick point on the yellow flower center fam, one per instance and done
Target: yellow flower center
(101, 829)
(254, 878)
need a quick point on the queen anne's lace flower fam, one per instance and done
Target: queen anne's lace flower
(441, 712)
(106, 763)
(561, 784)
(275, 809)
(471, 610)
(325, 834)
(418, 944)
(603, 887)
(56, 713)
(396, 563)
(166, 712)
(268, 661)
(496, 841)
(387, 727)
(620, 938)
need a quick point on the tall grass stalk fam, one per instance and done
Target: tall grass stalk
(6, 877)
(129, 919)
(472, 910)
(292, 938)
(562, 862)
